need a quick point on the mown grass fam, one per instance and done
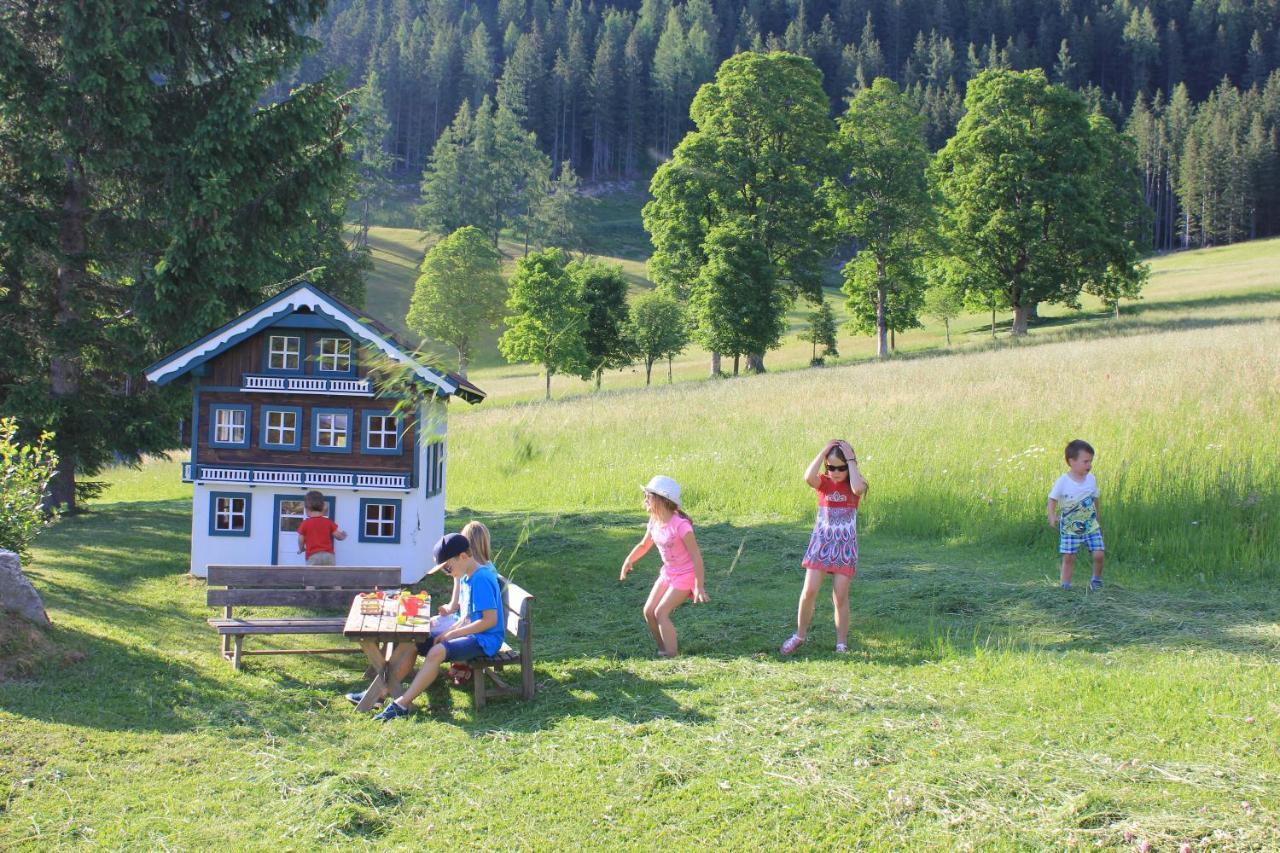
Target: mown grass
(980, 708)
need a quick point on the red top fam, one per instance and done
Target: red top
(316, 533)
(833, 494)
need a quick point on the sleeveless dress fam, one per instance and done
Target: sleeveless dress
(833, 547)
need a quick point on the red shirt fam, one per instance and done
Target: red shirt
(833, 494)
(316, 533)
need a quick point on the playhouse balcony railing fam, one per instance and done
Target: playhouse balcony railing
(249, 475)
(306, 385)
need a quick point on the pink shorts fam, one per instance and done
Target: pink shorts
(678, 580)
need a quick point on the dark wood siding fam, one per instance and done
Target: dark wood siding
(229, 368)
(305, 457)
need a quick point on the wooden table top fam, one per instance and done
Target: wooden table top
(383, 626)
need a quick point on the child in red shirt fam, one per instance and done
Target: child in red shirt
(316, 533)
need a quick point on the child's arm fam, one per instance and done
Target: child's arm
(452, 606)
(699, 581)
(1053, 512)
(636, 553)
(1097, 516)
(811, 474)
(339, 534)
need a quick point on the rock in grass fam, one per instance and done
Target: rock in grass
(17, 595)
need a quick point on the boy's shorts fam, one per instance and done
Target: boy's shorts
(321, 558)
(457, 649)
(1069, 543)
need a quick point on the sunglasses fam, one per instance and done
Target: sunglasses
(837, 467)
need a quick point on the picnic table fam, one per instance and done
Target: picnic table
(376, 632)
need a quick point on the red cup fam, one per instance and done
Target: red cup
(410, 604)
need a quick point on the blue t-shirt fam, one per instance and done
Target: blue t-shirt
(481, 592)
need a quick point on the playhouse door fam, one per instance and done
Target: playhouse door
(290, 511)
(289, 514)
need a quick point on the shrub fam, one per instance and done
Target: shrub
(25, 471)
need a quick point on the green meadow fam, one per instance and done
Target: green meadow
(981, 707)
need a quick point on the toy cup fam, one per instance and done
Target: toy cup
(410, 604)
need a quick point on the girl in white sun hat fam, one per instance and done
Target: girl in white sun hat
(682, 574)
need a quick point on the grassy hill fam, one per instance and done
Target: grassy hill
(981, 706)
(1184, 288)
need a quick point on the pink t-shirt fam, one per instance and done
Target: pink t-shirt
(669, 538)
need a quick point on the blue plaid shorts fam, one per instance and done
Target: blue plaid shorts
(1069, 543)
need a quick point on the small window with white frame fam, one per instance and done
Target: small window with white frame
(332, 431)
(379, 520)
(281, 428)
(284, 352)
(333, 355)
(230, 426)
(229, 514)
(381, 433)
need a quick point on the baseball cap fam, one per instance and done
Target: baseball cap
(449, 546)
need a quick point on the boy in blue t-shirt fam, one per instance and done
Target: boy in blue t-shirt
(478, 632)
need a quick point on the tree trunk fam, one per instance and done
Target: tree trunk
(64, 369)
(736, 357)
(648, 370)
(669, 360)
(755, 362)
(1033, 312)
(993, 320)
(462, 361)
(893, 339)
(1116, 306)
(715, 364)
(882, 348)
(599, 374)
(548, 385)
(1020, 311)
(946, 324)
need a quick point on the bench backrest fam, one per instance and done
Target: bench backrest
(517, 603)
(313, 587)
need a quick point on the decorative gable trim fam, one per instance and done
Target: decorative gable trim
(273, 312)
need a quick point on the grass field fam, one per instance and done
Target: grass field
(981, 706)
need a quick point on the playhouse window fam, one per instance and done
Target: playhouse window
(379, 520)
(280, 428)
(334, 355)
(381, 433)
(230, 515)
(333, 430)
(230, 426)
(284, 352)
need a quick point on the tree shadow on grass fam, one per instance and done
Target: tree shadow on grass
(137, 688)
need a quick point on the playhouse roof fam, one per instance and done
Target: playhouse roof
(305, 297)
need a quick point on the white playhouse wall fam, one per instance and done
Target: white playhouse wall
(421, 522)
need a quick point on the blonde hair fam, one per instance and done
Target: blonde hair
(478, 535)
(669, 505)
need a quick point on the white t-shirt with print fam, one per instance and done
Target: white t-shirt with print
(1077, 504)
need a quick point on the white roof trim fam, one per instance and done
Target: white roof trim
(288, 302)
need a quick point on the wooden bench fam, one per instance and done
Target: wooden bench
(486, 680)
(310, 587)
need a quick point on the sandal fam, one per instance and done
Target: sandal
(793, 642)
(842, 649)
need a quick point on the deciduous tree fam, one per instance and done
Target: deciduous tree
(460, 292)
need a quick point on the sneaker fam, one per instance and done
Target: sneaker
(1066, 584)
(793, 642)
(1095, 584)
(356, 698)
(841, 649)
(391, 712)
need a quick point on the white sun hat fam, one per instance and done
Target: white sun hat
(664, 487)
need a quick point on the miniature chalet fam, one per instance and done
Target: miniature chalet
(282, 403)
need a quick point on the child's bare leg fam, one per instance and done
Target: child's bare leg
(1097, 563)
(808, 599)
(840, 598)
(671, 599)
(427, 674)
(401, 662)
(651, 609)
(1068, 566)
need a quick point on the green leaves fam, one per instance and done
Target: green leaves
(546, 320)
(459, 293)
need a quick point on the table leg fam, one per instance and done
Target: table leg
(377, 687)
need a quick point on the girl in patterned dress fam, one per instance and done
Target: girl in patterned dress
(833, 547)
